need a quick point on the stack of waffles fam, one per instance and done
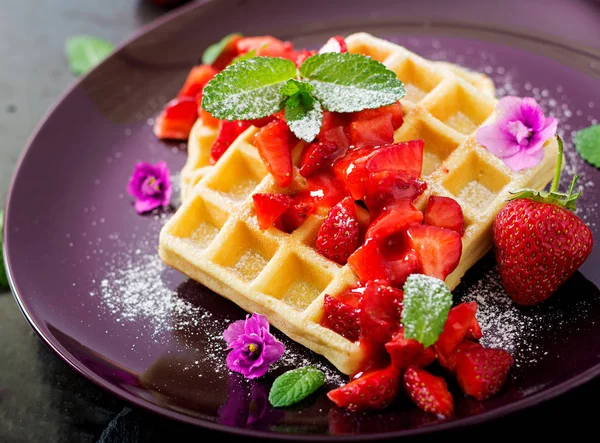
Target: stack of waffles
(214, 237)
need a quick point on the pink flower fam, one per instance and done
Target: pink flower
(150, 185)
(253, 348)
(519, 132)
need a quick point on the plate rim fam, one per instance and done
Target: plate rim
(78, 366)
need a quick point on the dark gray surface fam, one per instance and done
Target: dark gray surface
(41, 398)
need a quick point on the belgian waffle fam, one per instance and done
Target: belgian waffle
(214, 237)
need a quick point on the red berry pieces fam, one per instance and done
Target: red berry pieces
(406, 157)
(228, 132)
(176, 120)
(374, 390)
(438, 249)
(428, 392)
(317, 156)
(456, 328)
(338, 236)
(295, 215)
(380, 312)
(334, 44)
(445, 212)
(408, 352)
(269, 207)
(375, 131)
(342, 314)
(482, 372)
(387, 187)
(196, 80)
(275, 142)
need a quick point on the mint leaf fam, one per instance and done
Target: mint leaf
(296, 385)
(85, 52)
(304, 116)
(246, 56)
(249, 89)
(587, 144)
(426, 304)
(351, 82)
(212, 53)
(3, 277)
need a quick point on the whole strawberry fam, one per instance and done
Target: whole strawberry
(539, 242)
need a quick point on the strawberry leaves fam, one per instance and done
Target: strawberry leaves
(587, 144)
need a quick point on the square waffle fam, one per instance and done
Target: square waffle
(214, 237)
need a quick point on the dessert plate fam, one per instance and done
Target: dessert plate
(85, 270)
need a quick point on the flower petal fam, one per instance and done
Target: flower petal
(273, 350)
(509, 109)
(496, 140)
(234, 331)
(143, 205)
(532, 115)
(539, 138)
(524, 160)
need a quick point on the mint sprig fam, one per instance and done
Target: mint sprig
(294, 386)
(3, 277)
(212, 53)
(249, 89)
(351, 82)
(260, 86)
(85, 52)
(587, 144)
(426, 304)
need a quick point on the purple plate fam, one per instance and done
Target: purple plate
(83, 265)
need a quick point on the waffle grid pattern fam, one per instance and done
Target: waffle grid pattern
(214, 237)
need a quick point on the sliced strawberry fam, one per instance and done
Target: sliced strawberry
(269, 208)
(385, 188)
(302, 55)
(351, 170)
(395, 110)
(260, 122)
(368, 263)
(406, 157)
(338, 235)
(408, 352)
(342, 314)
(375, 131)
(336, 136)
(374, 390)
(317, 156)
(228, 132)
(438, 249)
(380, 312)
(428, 392)
(177, 118)
(475, 332)
(325, 189)
(266, 46)
(445, 212)
(401, 266)
(463, 348)
(196, 80)
(230, 51)
(275, 142)
(394, 219)
(332, 120)
(481, 373)
(334, 44)
(455, 330)
(295, 215)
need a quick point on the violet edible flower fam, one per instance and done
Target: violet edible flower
(150, 185)
(519, 132)
(253, 348)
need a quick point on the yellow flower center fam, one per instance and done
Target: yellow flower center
(252, 348)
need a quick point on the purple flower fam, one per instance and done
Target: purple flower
(519, 132)
(151, 186)
(253, 348)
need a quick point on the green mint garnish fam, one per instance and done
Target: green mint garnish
(426, 304)
(296, 385)
(587, 143)
(303, 112)
(84, 53)
(259, 86)
(212, 53)
(351, 82)
(249, 89)
(3, 277)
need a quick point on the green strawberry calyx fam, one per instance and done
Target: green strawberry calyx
(565, 200)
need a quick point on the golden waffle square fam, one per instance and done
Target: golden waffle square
(214, 237)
